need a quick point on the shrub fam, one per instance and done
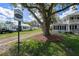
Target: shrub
(36, 48)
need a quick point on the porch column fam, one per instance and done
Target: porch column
(68, 28)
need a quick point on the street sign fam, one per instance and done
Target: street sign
(18, 14)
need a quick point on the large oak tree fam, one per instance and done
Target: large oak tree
(45, 12)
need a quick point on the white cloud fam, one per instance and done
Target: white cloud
(2, 18)
(31, 17)
(7, 12)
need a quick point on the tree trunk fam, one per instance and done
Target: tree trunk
(46, 28)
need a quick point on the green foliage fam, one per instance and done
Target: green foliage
(37, 48)
(69, 46)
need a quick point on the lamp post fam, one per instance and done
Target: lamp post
(18, 15)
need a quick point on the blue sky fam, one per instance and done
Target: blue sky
(9, 7)
(6, 5)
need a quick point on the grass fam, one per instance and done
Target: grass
(71, 44)
(7, 35)
(68, 47)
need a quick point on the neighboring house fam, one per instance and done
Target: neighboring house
(69, 22)
(11, 26)
(35, 24)
(23, 26)
(6, 26)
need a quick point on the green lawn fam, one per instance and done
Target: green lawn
(7, 35)
(68, 47)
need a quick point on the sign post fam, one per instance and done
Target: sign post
(19, 28)
(18, 15)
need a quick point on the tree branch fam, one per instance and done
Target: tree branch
(35, 16)
(50, 10)
(25, 5)
(51, 6)
(64, 8)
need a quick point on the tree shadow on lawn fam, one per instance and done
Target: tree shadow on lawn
(70, 44)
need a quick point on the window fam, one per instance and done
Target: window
(70, 27)
(24, 27)
(54, 27)
(71, 18)
(58, 27)
(14, 27)
(64, 27)
(75, 26)
(77, 17)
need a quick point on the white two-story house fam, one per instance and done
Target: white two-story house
(69, 21)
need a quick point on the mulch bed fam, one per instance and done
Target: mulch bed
(54, 38)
